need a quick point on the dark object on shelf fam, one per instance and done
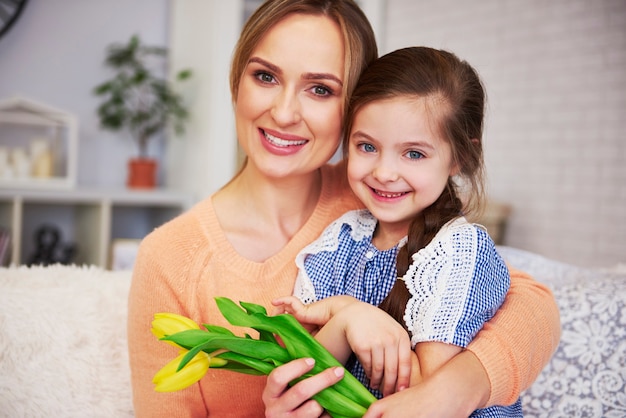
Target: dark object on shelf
(5, 247)
(50, 249)
(10, 11)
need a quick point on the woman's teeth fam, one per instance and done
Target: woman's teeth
(282, 142)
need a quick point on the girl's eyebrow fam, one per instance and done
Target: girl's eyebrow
(418, 144)
(407, 144)
(306, 76)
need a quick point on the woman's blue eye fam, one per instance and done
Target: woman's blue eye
(322, 91)
(264, 77)
(414, 155)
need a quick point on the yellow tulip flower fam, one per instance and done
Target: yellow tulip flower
(169, 380)
(347, 398)
(165, 324)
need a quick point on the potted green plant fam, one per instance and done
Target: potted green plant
(137, 100)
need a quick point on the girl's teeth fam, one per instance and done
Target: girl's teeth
(281, 142)
(388, 195)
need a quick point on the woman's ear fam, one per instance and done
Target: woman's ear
(455, 169)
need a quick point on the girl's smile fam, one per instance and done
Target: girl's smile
(387, 196)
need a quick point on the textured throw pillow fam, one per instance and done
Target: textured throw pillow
(587, 375)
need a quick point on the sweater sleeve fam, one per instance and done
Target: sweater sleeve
(152, 291)
(518, 342)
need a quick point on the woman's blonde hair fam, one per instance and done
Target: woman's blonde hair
(358, 35)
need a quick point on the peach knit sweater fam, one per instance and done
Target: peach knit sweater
(183, 264)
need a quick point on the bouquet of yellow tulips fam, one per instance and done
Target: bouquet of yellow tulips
(216, 346)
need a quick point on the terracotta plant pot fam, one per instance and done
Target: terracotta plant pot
(142, 173)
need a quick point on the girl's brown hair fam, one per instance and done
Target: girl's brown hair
(456, 99)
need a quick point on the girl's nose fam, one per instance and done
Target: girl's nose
(385, 171)
(286, 108)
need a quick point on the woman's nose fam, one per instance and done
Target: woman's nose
(286, 109)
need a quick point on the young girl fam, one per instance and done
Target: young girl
(414, 147)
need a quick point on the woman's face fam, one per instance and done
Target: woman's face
(289, 106)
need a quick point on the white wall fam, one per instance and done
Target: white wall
(202, 37)
(54, 54)
(556, 80)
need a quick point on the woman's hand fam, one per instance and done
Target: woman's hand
(281, 400)
(455, 390)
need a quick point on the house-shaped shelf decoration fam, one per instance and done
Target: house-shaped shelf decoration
(38, 145)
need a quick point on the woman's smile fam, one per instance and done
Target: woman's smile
(281, 144)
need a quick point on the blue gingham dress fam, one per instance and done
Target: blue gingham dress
(457, 282)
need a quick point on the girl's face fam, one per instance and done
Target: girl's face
(398, 163)
(290, 103)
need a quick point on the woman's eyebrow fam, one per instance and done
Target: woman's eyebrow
(306, 76)
(267, 64)
(323, 76)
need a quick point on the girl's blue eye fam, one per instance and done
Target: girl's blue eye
(414, 155)
(367, 147)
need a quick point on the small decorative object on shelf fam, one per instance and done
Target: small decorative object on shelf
(38, 145)
(123, 253)
(137, 100)
(49, 249)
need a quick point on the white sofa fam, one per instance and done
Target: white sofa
(63, 342)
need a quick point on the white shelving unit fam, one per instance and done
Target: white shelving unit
(90, 218)
(24, 124)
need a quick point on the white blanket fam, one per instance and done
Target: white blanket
(63, 340)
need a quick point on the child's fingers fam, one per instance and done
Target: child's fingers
(288, 304)
(373, 362)
(405, 360)
(285, 300)
(390, 376)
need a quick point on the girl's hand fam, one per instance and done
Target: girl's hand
(318, 313)
(283, 401)
(380, 343)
